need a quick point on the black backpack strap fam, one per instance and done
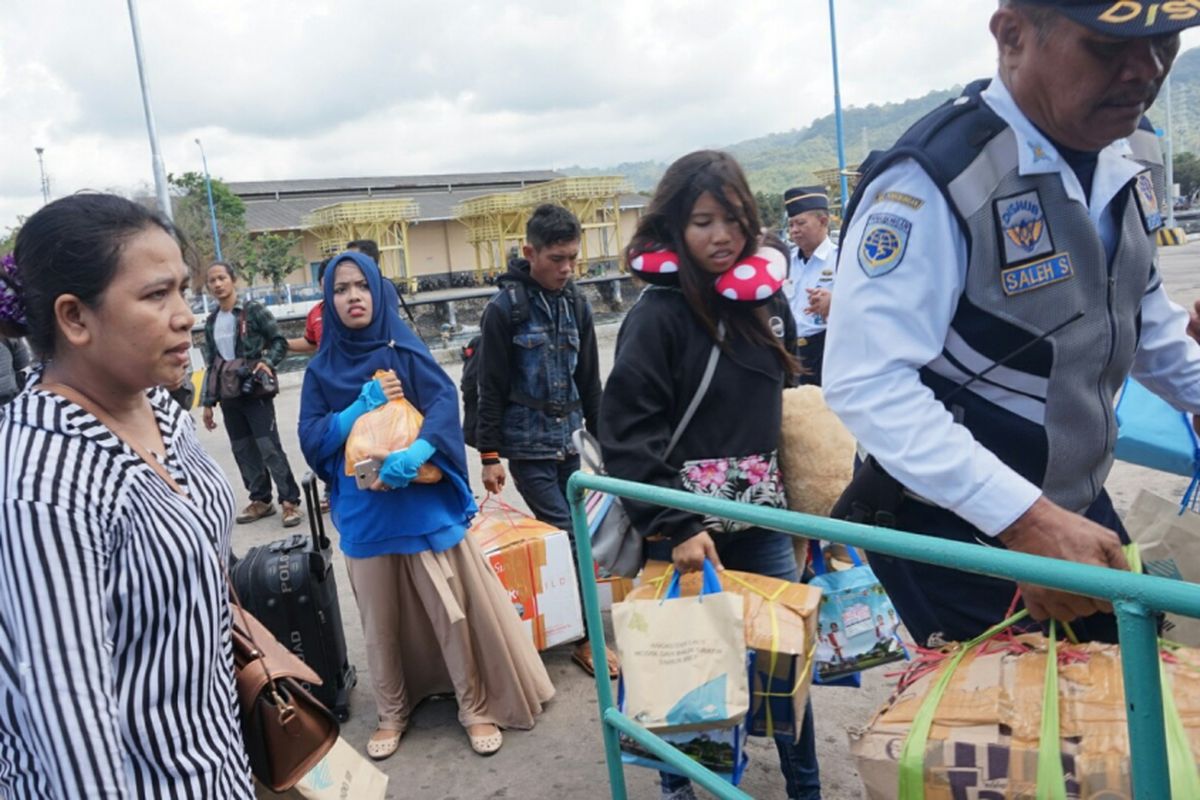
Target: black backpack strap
(518, 302)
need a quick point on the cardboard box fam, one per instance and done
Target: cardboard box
(533, 562)
(984, 739)
(781, 627)
(613, 590)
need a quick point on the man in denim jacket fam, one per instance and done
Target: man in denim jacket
(539, 370)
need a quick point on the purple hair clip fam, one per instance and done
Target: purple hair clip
(12, 308)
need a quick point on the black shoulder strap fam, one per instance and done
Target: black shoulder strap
(577, 297)
(518, 302)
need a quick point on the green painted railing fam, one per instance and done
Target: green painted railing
(1135, 598)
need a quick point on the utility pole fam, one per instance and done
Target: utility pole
(1170, 147)
(160, 175)
(212, 209)
(42, 170)
(837, 111)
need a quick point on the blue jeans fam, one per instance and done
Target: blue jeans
(767, 553)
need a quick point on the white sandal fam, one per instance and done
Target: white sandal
(380, 748)
(487, 745)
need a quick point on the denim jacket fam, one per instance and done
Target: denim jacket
(539, 378)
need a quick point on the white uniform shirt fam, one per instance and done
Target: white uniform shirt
(816, 273)
(890, 325)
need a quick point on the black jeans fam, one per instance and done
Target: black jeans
(812, 356)
(542, 483)
(961, 605)
(254, 435)
(767, 553)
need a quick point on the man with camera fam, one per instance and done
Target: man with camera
(242, 348)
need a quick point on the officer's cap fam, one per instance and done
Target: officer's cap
(805, 198)
(1127, 18)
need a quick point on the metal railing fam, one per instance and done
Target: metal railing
(1136, 599)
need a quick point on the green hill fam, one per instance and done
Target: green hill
(778, 160)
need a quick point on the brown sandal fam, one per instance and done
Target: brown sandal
(583, 657)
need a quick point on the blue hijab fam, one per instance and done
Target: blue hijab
(347, 358)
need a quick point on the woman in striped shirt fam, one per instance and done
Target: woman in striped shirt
(116, 669)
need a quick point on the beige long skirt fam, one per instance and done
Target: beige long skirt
(441, 622)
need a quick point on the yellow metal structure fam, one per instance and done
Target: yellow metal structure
(384, 221)
(496, 222)
(493, 222)
(831, 179)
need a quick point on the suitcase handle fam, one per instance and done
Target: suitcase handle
(316, 521)
(293, 542)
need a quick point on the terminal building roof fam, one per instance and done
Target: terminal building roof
(280, 205)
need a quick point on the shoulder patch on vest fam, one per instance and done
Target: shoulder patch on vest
(1021, 222)
(883, 244)
(1037, 274)
(903, 199)
(1143, 188)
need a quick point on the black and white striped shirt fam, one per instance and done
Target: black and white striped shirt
(116, 663)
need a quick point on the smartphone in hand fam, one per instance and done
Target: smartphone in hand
(366, 473)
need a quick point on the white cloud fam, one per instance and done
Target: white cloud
(300, 88)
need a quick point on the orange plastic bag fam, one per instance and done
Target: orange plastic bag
(393, 426)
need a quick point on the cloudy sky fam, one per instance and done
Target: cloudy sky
(317, 88)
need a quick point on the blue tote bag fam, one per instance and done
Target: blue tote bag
(857, 623)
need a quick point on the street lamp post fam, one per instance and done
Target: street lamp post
(1170, 147)
(212, 209)
(160, 175)
(837, 110)
(42, 170)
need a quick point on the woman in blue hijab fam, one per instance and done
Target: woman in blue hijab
(434, 616)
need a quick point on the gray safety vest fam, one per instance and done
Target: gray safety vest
(1035, 259)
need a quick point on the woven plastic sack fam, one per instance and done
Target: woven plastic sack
(395, 425)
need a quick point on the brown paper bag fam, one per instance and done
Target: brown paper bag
(1170, 546)
(393, 426)
(683, 661)
(342, 773)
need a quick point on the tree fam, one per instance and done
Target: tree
(195, 223)
(1187, 172)
(770, 211)
(271, 256)
(8, 241)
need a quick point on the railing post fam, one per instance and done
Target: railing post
(595, 626)
(1138, 628)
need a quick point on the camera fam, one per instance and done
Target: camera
(255, 383)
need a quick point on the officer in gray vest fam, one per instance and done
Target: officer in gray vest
(996, 285)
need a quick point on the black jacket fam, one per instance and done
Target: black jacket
(550, 357)
(662, 350)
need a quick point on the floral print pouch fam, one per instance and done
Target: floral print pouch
(753, 479)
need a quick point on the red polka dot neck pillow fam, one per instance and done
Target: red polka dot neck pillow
(754, 279)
